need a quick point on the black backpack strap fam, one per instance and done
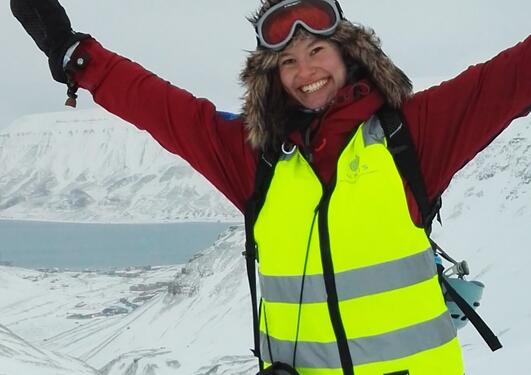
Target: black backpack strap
(401, 146)
(483, 329)
(264, 174)
(250, 257)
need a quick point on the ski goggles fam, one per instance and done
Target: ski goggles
(277, 26)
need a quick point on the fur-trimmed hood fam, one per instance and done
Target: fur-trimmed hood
(266, 109)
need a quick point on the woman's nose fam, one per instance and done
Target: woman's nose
(306, 69)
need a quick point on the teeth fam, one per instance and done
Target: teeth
(312, 87)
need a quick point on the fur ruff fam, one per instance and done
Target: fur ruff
(266, 106)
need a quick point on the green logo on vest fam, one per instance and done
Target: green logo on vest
(356, 168)
(355, 164)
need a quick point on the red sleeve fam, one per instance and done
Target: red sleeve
(185, 125)
(452, 122)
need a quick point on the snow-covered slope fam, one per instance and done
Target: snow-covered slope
(87, 165)
(204, 316)
(18, 356)
(187, 319)
(195, 318)
(487, 220)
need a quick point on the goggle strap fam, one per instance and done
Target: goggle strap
(340, 10)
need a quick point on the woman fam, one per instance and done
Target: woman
(343, 255)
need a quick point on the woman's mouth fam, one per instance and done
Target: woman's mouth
(313, 87)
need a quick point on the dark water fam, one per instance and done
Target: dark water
(102, 246)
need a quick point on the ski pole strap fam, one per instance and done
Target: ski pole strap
(490, 338)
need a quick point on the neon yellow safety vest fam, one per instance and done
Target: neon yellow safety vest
(348, 282)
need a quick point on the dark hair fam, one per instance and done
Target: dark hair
(277, 106)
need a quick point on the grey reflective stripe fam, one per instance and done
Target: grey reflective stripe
(394, 345)
(352, 284)
(373, 132)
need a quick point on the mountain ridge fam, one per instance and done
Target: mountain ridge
(89, 166)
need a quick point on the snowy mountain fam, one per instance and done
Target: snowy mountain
(19, 356)
(87, 165)
(188, 319)
(487, 220)
(194, 319)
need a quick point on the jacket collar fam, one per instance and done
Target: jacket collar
(354, 104)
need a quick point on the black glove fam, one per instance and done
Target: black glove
(47, 23)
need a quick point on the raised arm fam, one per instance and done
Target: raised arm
(452, 122)
(212, 142)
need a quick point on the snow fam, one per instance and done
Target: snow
(88, 165)
(195, 318)
(486, 218)
(18, 356)
(185, 317)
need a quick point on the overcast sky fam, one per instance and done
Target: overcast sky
(200, 44)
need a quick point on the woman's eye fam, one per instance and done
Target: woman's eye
(315, 50)
(287, 62)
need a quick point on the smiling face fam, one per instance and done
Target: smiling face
(312, 71)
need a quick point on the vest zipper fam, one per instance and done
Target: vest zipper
(306, 135)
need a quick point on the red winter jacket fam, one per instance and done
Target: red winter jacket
(449, 123)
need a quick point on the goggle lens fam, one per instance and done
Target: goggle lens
(278, 24)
